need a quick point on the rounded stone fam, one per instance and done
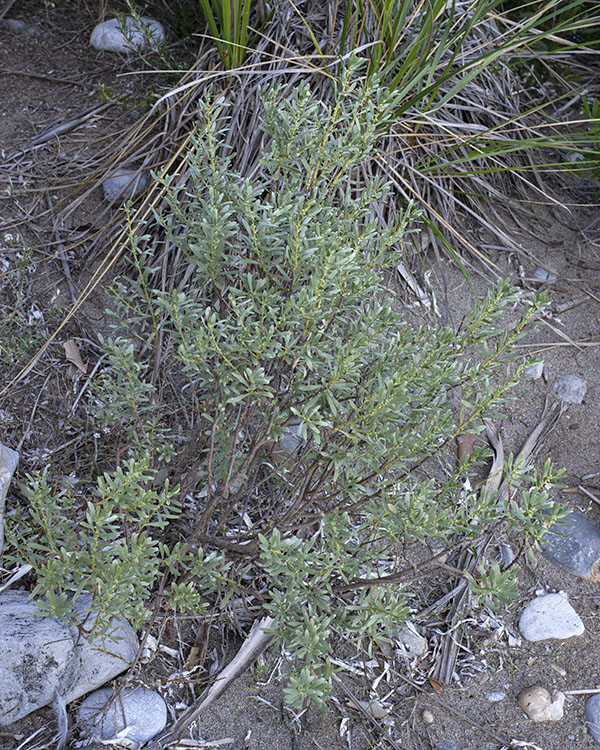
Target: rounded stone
(137, 713)
(550, 616)
(125, 182)
(592, 716)
(573, 543)
(495, 696)
(542, 705)
(570, 388)
(142, 33)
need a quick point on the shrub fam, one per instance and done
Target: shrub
(319, 421)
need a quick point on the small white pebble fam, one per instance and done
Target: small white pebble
(427, 717)
(534, 371)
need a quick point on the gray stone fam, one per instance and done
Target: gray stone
(17, 27)
(126, 182)
(447, 745)
(291, 441)
(544, 275)
(505, 555)
(139, 35)
(570, 388)
(592, 716)
(550, 616)
(8, 464)
(573, 544)
(40, 658)
(137, 714)
(411, 642)
(534, 371)
(495, 696)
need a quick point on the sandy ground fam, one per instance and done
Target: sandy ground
(53, 75)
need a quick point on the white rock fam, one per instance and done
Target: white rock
(137, 714)
(412, 643)
(549, 616)
(145, 34)
(495, 696)
(570, 388)
(544, 275)
(534, 371)
(40, 657)
(541, 704)
(125, 183)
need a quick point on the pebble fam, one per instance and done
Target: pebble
(495, 696)
(411, 642)
(447, 745)
(542, 705)
(17, 27)
(534, 371)
(125, 183)
(291, 441)
(427, 716)
(505, 555)
(137, 714)
(592, 716)
(573, 544)
(145, 34)
(550, 616)
(570, 388)
(41, 658)
(544, 275)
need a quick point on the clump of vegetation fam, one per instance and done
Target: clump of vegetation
(319, 422)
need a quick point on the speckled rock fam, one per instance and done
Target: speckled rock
(574, 545)
(550, 616)
(570, 388)
(40, 657)
(137, 714)
(145, 34)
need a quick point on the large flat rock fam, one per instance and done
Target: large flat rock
(40, 658)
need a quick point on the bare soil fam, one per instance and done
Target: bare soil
(53, 75)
